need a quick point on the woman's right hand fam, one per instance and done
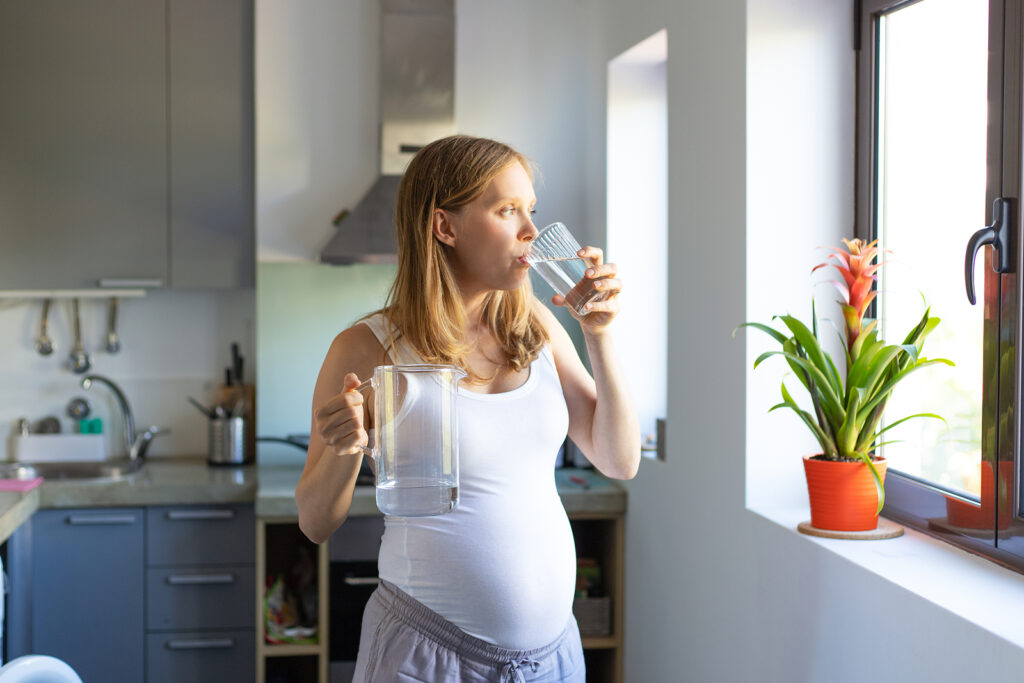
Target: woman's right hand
(339, 422)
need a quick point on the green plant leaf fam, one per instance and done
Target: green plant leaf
(883, 392)
(778, 336)
(826, 443)
(863, 365)
(846, 435)
(879, 486)
(910, 417)
(810, 345)
(877, 367)
(836, 377)
(870, 424)
(760, 359)
(831, 407)
(867, 336)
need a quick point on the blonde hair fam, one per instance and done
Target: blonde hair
(424, 302)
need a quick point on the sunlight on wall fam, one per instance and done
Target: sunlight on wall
(638, 220)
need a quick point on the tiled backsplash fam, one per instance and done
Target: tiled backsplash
(174, 344)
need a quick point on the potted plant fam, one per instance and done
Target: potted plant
(846, 480)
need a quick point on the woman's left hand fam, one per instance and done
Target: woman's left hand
(603, 277)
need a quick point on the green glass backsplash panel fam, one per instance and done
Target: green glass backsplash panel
(300, 308)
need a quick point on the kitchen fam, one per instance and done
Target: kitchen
(694, 597)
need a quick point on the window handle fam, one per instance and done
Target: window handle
(1000, 235)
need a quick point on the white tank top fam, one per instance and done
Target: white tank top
(502, 565)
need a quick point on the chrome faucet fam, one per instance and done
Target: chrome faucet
(135, 445)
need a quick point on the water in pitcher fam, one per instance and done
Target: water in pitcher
(566, 276)
(416, 497)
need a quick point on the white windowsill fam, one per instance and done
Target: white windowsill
(969, 586)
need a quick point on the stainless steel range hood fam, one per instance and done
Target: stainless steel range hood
(417, 106)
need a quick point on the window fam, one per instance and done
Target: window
(938, 90)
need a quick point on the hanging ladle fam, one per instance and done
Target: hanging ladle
(79, 360)
(44, 345)
(113, 343)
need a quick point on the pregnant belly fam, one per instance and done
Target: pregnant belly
(504, 577)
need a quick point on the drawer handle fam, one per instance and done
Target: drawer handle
(362, 581)
(179, 515)
(201, 644)
(199, 579)
(100, 519)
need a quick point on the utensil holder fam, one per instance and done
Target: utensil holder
(227, 441)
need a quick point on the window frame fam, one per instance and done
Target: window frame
(913, 501)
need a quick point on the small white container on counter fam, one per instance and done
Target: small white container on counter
(59, 447)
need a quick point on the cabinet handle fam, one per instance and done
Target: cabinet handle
(129, 282)
(199, 579)
(180, 515)
(201, 644)
(100, 519)
(362, 581)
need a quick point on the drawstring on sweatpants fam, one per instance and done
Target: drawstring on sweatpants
(511, 672)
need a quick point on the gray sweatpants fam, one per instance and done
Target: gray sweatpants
(403, 641)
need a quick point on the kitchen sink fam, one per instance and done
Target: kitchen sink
(56, 471)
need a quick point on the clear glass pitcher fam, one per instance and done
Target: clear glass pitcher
(415, 438)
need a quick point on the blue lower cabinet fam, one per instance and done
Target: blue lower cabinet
(87, 587)
(81, 590)
(201, 657)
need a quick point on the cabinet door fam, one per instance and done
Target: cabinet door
(87, 591)
(83, 142)
(212, 168)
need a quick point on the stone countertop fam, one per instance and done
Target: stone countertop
(161, 481)
(190, 481)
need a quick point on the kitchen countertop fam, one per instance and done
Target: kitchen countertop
(190, 481)
(276, 495)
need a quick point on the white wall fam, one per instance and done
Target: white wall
(800, 168)
(761, 155)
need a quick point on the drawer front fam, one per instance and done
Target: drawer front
(200, 535)
(191, 598)
(205, 657)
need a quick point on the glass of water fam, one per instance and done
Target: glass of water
(555, 255)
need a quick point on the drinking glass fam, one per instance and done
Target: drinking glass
(555, 255)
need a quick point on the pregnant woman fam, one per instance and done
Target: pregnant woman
(483, 593)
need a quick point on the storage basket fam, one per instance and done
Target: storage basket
(594, 615)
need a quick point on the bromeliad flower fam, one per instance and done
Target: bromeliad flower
(857, 288)
(848, 406)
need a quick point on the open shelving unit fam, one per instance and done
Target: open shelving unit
(277, 544)
(602, 536)
(598, 535)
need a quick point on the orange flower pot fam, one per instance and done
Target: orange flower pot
(843, 494)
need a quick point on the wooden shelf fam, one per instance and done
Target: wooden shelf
(281, 537)
(290, 650)
(599, 642)
(602, 536)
